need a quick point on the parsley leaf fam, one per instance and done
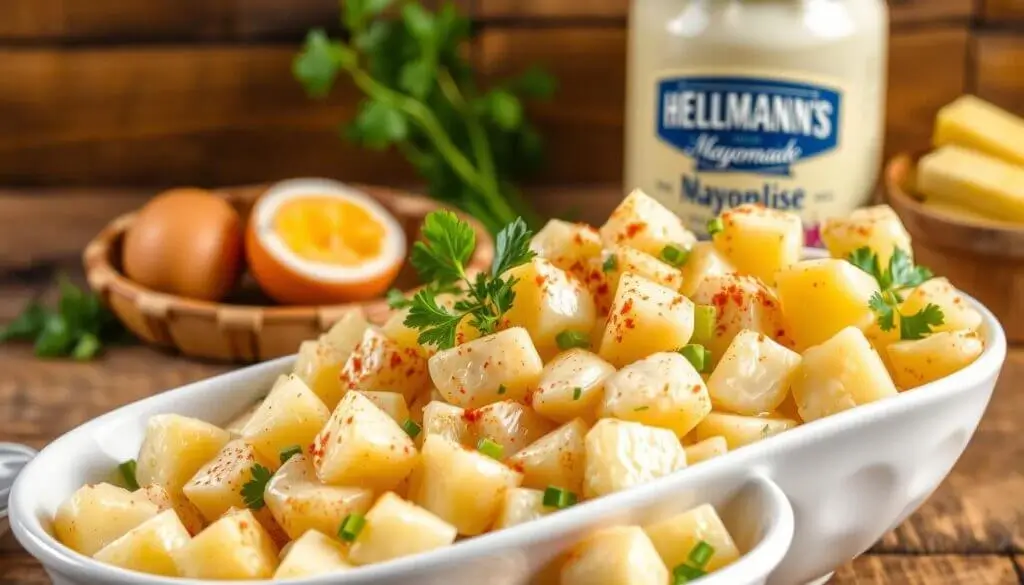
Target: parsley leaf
(252, 490)
(885, 307)
(900, 273)
(865, 259)
(512, 247)
(437, 326)
(397, 300)
(920, 324)
(916, 326)
(447, 247)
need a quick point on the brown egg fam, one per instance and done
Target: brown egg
(186, 242)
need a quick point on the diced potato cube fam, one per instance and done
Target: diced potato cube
(96, 515)
(396, 329)
(396, 528)
(510, 424)
(881, 340)
(175, 447)
(645, 318)
(521, 505)
(707, 449)
(704, 261)
(380, 364)
(957, 312)
(571, 386)
(556, 459)
(622, 454)
(821, 297)
(300, 503)
(500, 366)
(312, 554)
(841, 373)
(760, 241)
(622, 555)
(739, 430)
(753, 376)
(566, 245)
(463, 487)
(641, 222)
(392, 403)
(441, 418)
(234, 547)
(361, 445)
(938, 355)
(741, 302)
(291, 415)
(217, 486)
(675, 537)
(876, 227)
(548, 302)
(661, 390)
(190, 516)
(147, 547)
(234, 428)
(320, 361)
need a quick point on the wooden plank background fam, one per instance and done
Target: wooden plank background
(162, 92)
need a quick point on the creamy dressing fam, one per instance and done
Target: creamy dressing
(779, 102)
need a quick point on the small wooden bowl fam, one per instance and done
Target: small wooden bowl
(248, 327)
(985, 259)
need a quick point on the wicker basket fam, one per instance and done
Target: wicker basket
(248, 327)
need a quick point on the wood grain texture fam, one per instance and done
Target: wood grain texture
(1001, 11)
(1000, 68)
(928, 570)
(132, 21)
(902, 11)
(171, 115)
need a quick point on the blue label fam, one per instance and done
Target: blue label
(747, 124)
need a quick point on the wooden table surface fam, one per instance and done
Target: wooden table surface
(970, 532)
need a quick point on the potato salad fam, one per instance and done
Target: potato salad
(585, 362)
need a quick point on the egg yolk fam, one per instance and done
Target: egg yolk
(329, 230)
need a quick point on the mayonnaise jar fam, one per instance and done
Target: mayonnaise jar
(777, 102)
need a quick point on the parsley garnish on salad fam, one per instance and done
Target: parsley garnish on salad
(441, 260)
(901, 273)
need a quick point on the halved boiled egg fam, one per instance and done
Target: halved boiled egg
(317, 241)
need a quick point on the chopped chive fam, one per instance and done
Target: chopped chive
(569, 339)
(698, 356)
(411, 428)
(502, 389)
(685, 573)
(674, 255)
(701, 554)
(715, 225)
(490, 448)
(577, 392)
(351, 526)
(611, 263)
(558, 498)
(639, 408)
(289, 452)
(127, 470)
(705, 317)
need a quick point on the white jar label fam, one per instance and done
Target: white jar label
(732, 138)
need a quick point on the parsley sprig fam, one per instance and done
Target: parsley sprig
(441, 260)
(252, 490)
(469, 139)
(901, 273)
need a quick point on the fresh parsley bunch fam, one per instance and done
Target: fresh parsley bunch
(441, 259)
(78, 327)
(899, 275)
(421, 97)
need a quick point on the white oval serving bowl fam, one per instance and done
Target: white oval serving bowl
(849, 479)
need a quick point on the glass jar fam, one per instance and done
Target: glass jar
(777, 102)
